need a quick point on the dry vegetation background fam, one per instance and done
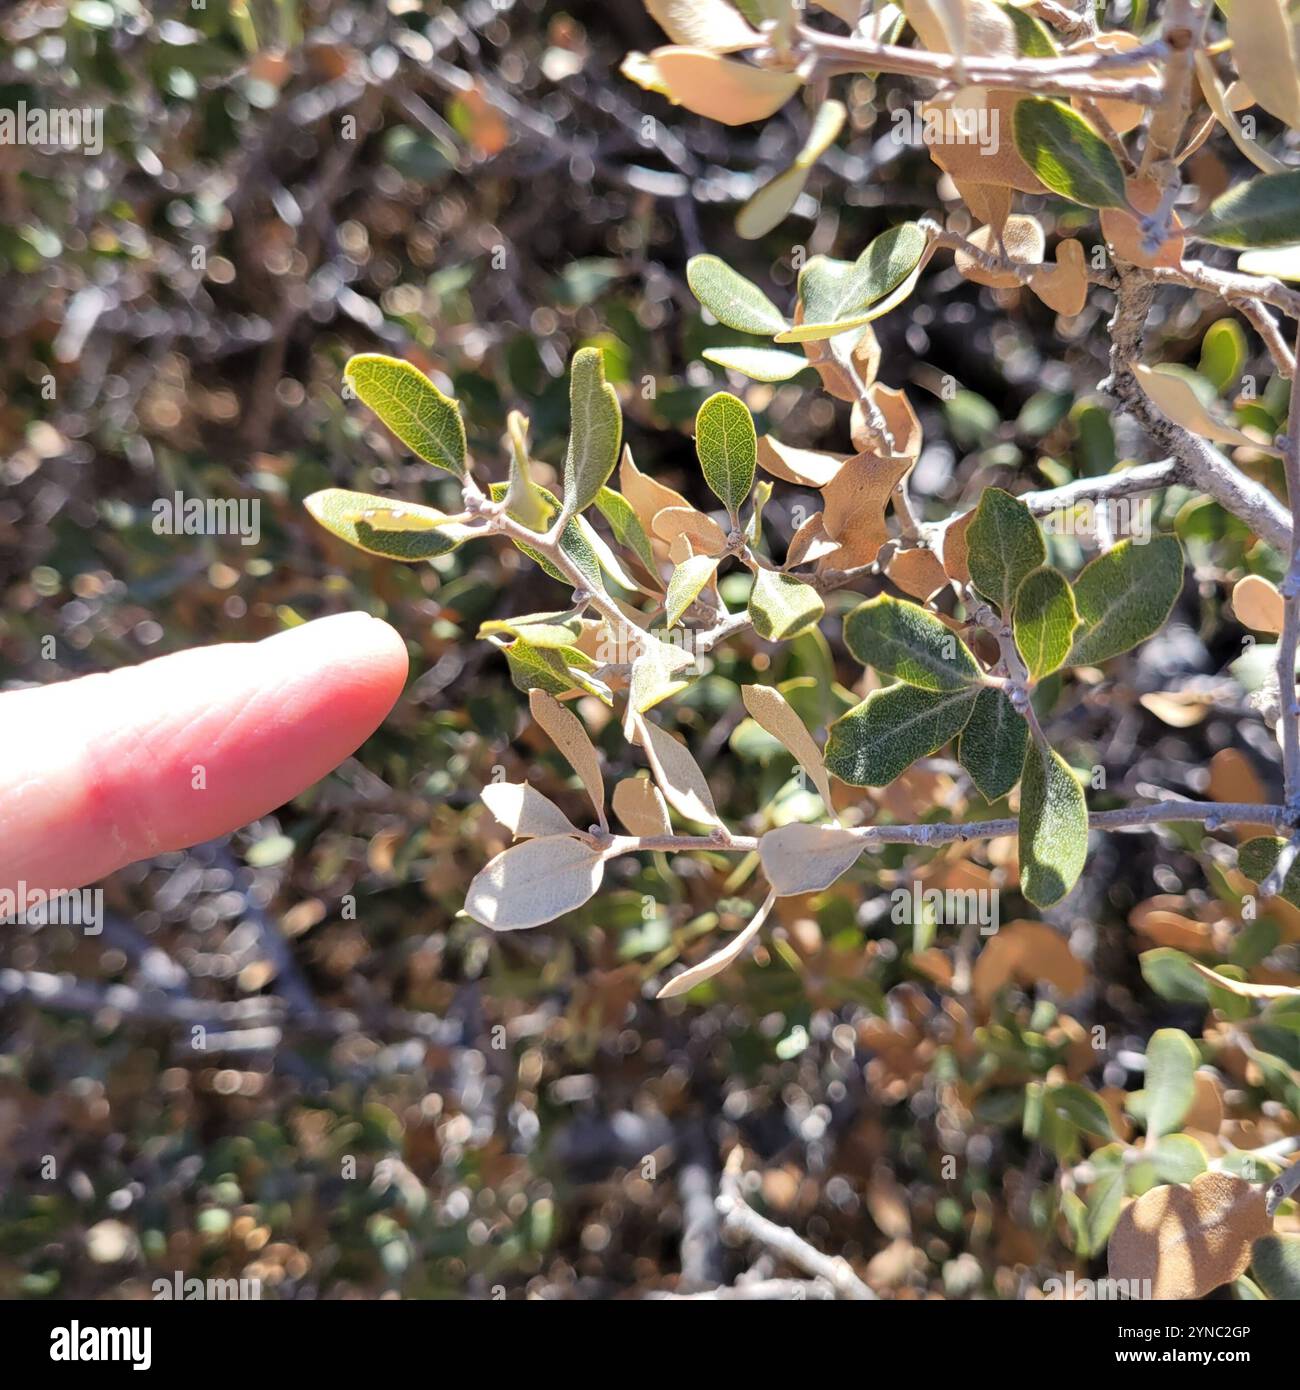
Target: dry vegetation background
(521, 1114)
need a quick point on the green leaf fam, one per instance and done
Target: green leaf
(1124, 596)
(1067, 153)
(524, 499)
(412, 407)
(626, 526)
(901, 639)
(557, 670)
(1105, 1202)
(732, 299)
(1170, 1086)
(754, 529)
(596, 430)
(1033, 39)
(1275, 1263)
(1256, 859)
(684, 587)
(727, 445)
(572, 541)
(782, 607)
(1263, 212)
(1053, 827)
(1004, 545)
(538, 629)
(1081, 1107)
(883, 736)
(776, 197)
(1044, 620)
(992, 745)
(885, 266)
(1223, 353)
(760, 363)
(366, 521)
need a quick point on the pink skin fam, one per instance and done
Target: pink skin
(98, 772)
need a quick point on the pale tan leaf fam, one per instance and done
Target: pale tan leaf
(721, 88)
(803, 467)
(705, 535)
(639, 804)
(534, 882)
(1180, 709)
(711, 24)
(917, 572)
(1243, 989)
(1257, 604)
(900, 420)
(810, 543)
(719, 960)
(807, 858)
(856, 499)
(1264, 48)
(678, 774)
(1022, 242)
(524, 811)
(1124, 234)
(647, 495)
(568, 735)
(1189, 1240)
(1174, 395)
(1063, 286)
(1122, 116)
(773, 712)
(1221, 103)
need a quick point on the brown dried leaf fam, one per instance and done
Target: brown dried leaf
(1258, 604)
(639, 804)
(1189, 1240)
(568, 735)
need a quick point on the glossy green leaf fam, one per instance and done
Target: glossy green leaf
(901, 639)
(1044, 620)
(782, 607)
(992, 745)
(1124, 596)
(684, 587)
(883, 736)
(727, 445)
(380, 525)
(1033, 38)
(595, 430)
(1262, 212)
(1004, 544)
(732, 299)
(1170, 1086)
(557, 670)
(882, 269)
(1067, 153)
(1053, 827)
(1275, 1265)
(425, 420)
